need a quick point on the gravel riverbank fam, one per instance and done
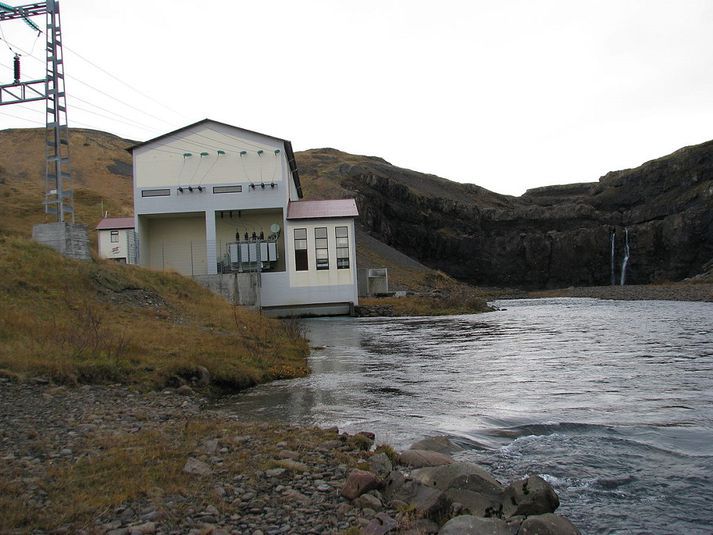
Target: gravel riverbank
(110, 460)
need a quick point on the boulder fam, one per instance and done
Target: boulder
(358, 482)
(393, 483)
(421, 458)
(381, 524)
(473, 525)
(196, 467)
(547, 524)
(369, 501)
(441, 444)
(380, 464)
(476, 503)
(458, 475)
(529, 496)
(425, 502)
(420, 526)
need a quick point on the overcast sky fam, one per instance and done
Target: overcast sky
(506, 94)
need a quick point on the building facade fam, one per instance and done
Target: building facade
(223, 204)
(116, 239)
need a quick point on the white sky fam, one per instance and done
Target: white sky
(507, 94)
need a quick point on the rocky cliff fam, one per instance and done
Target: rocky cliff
(549, 237)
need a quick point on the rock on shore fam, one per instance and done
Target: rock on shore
(107, 459)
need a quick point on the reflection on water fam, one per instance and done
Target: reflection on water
(609, 400)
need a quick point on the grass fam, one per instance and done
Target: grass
(102, 322)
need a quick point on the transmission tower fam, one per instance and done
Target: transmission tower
(59, 197)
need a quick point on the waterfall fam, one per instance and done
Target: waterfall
(626, 256)
(612, 239)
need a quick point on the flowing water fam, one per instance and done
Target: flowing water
(610, 401)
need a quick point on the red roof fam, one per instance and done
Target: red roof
(113, 223)
(322, 209)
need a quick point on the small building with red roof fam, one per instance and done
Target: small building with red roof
(116, 239)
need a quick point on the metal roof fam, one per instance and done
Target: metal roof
(114, 223)
(322, 209)
(287, 145)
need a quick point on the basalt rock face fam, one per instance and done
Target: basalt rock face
(549, 237)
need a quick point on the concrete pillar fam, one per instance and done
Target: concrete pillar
(211, 243)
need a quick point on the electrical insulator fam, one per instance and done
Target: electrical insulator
(17, 68)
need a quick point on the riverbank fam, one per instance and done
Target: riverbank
(108, 459)
(679, 291)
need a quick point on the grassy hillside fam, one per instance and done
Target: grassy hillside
(85, 322)
(101, 168)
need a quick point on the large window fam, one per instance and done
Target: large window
(301, 262)
(342, 235)
(321, 247)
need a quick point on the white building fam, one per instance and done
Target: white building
(222, 204)
(116, 239)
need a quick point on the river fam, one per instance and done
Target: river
(610, 401)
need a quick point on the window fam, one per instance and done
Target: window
(227, 189)
(114, 236)
(342, 234)
(156, 192)
(301, 263)
(321, 248)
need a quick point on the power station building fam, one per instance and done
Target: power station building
(223, 205)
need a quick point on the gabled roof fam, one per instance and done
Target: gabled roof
(288, 146)
(115, 223)
(322, 209)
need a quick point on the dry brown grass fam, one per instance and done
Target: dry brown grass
(84, 322)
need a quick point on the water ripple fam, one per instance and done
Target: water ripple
(611, 401)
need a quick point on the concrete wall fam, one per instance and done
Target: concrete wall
(72, 240)
(277, 291)
(237, 288)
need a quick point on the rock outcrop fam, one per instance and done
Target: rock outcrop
(453, 497)
(554, 236)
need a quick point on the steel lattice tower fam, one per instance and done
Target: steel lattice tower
(59, 197)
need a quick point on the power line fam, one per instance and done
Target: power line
(21, 118)
(125, 83)
(29, 54)
(118, 119)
